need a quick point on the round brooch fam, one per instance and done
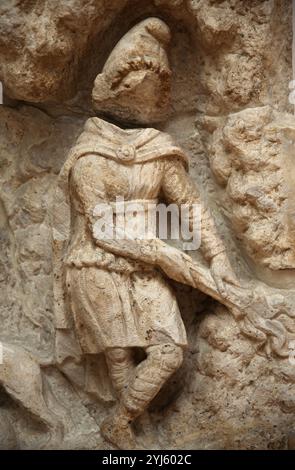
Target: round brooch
(126, 153)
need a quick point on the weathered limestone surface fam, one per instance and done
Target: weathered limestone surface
(231, 64)
(251, 156)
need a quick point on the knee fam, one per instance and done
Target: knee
(117, 355)
(168, 355)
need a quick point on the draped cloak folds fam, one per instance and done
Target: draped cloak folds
(103, 139)
(106, 140)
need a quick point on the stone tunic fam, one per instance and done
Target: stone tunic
(117, 301)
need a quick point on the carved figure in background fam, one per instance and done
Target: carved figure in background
(115, 290)
(21, 377)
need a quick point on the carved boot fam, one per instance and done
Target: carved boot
(148, 378)
(117, 429)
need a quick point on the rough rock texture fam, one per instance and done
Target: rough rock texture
(231, 62)
(43, 42)
(251, 155)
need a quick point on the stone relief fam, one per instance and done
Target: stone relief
(95, 330)
(136, 307)
(252, 148)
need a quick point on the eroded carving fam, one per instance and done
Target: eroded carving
(251, 156)
(135, 82)
(114, 290)
(225, 58)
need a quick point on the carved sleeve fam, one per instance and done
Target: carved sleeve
(178, 188)
(86, 184)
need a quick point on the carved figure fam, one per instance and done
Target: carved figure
(20, 376)
(115, 290)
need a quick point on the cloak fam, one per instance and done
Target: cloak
(131, 146)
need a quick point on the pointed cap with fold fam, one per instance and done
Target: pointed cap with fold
(134, 85)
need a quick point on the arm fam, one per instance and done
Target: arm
(178, 188)
(87, 187)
